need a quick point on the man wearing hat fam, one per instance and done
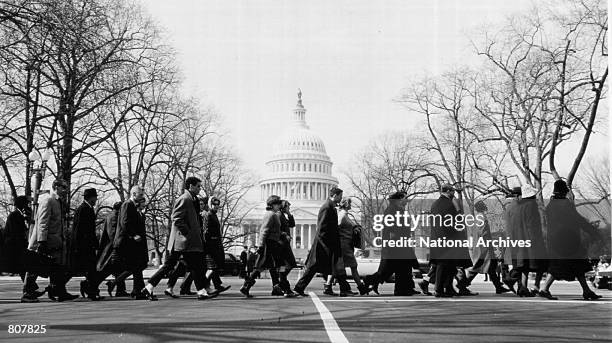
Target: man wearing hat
(85, 243)
(447, 259)
(213, 245)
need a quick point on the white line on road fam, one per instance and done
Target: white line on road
(332, 328)
(357, 299)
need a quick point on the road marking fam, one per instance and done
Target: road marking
(601, 302)
(331, 327)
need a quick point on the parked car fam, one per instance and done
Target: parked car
(601, 277)
(232, 265)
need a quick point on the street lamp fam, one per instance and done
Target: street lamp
(38, 173)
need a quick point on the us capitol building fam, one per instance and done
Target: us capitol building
(300, 171)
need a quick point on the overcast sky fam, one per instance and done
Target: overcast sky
(350, 58)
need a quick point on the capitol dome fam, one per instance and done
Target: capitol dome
(299, 168)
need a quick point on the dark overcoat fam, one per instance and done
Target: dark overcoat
(325, 251)
(511, 222)
(566, 248)
(287, 222)
(129, 225)
(85, 244)
(442, 227)
(15, 243)
(213, 240)
(527, 226)
(405, 256)
(106, 241)
(142, 248)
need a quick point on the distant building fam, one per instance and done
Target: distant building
(300, 171)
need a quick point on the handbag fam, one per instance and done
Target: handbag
(39, 263)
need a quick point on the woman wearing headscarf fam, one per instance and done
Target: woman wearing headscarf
(269, 247)
(286, 253)
(567, 251)
(528, 227)
(346, 226)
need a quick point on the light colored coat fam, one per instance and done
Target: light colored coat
(185, 234)
(49, 227)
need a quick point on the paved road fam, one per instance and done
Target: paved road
(231, 318)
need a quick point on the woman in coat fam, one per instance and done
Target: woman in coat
(567, 251)
(269, 253)
(527, 227)
(346, 226)
(483, 257)
(287, 259)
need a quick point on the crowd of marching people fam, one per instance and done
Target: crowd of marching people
(195, 248)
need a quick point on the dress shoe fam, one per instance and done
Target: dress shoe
(424, 286)
(371, 281)
(547, 295)
(222, 288)
(95, 297)
(51, 293)
(300, 292)
(187, 293)
(147, 295)
(407, 293)
(346, 294)
(277, 291)
(524, 292)
(590, 295)
(65, 296)
(84, 286)
(170, 294)
(363, 289)
(501, 290)
(451, 291)
(38, 293)
(122, 294)
(466, 292)
(510, 284)
(328, 290)
(442, 295)
(29, 298)
(110, 286)
(246, 287)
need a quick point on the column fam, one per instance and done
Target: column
(301, 235)
(309, 191)
(309, 235)
(293, 238)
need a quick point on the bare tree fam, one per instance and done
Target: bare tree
(392, 162)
